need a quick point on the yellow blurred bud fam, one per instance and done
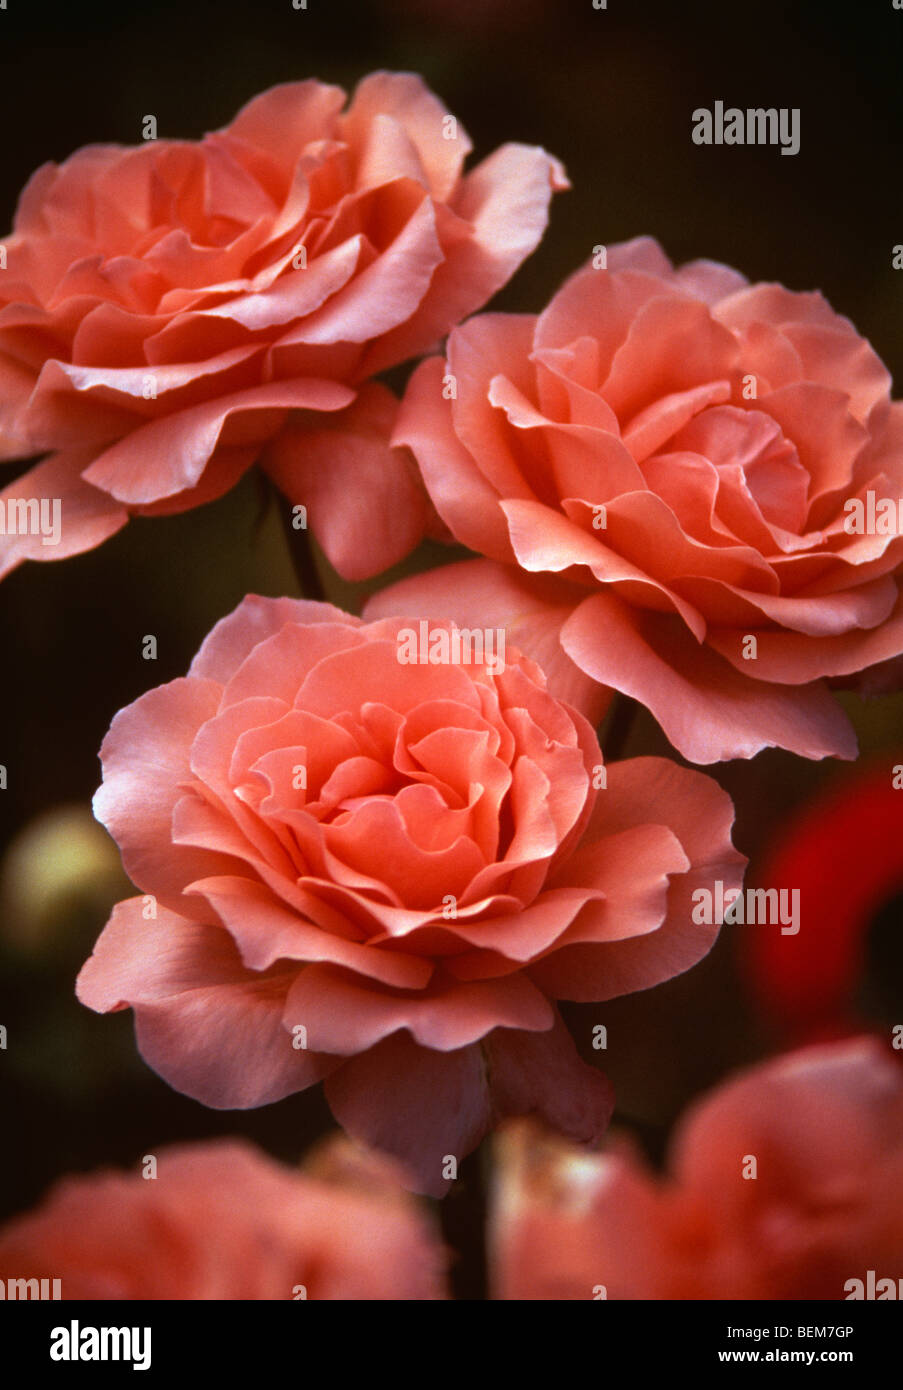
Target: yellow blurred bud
(59, 874)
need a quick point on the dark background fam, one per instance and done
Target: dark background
(611, 93)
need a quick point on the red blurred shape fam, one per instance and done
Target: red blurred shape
(844, 852)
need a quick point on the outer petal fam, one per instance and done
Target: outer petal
(541, 1073)
(16, 385)
(406, 99)
(419, 1105)
(168, 455)
(285, 118)
(641, 793)
(235, 637)
(366, 504)
(87, 516)
(784, 659)
(346, 1016)
(709, 711)
(211, 1028)
(146, 761)
(505, 199)
(462, 496)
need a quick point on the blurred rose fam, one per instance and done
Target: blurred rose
(665, 455)
(168, 310)
(824, 1127)
(407, 862)
(843, 853)
(222, 1220)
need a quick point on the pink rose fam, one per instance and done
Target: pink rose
(382, 874)
(168, 311)
(820, 1207)
(665, 456)
(222, 1220)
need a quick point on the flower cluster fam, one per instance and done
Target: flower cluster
(379, 851)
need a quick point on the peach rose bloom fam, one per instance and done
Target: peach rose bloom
(222, 1220)
(825, 1128)
(170, 310)
(662, 459)
(383, 874)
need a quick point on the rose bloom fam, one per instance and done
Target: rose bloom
(664, 456)
(382, 874)
(167, 311)
(825, 1128)
(222, 1220)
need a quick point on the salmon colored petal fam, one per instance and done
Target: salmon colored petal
(502, 209)
(132, 470)
(266, 932)
(464, 499)
(145, 758)
(542, 1074)
(861, 609)
(490, 347)
(277, 665)
(517, 937)
(642, 253)
(672, 345)
(365, 502)
(403, 97)
(709, 711)
(76, 516)
(386, 293)
(665, 940)
(800, 1104)
(16, 385)
(423, 1107)
(235, 637)
(545, 541)
(358, 675)
(782, 659)
(212, 1029)
(231, 464)
(570, 1225)
(346, 1017)
(285, 118)
(373, 841)
(596, 305)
